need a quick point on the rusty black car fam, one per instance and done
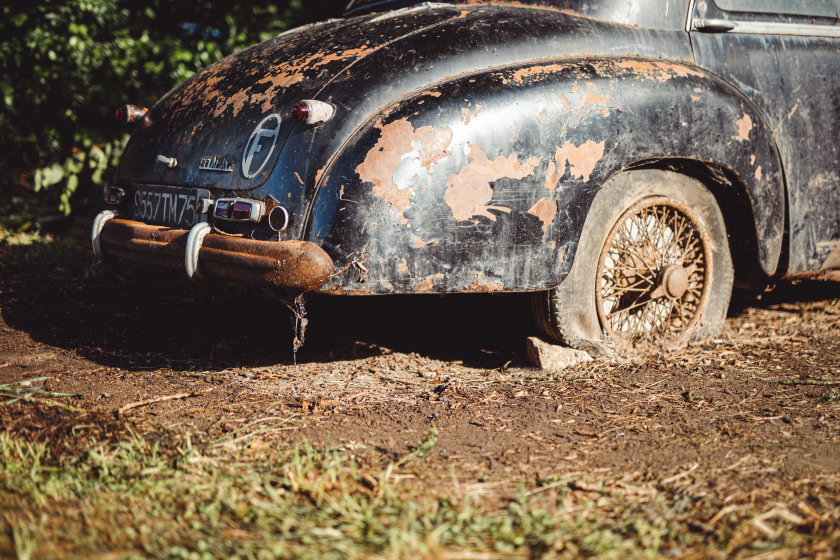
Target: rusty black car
(627, 162)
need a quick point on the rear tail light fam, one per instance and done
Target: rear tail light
(243, 210)
(239, 209)
(312, 112)
(131, 113)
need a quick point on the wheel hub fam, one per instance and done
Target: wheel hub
(675, 281)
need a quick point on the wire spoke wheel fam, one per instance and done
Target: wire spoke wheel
(653, 275)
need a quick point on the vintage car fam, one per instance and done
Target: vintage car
(626, 161)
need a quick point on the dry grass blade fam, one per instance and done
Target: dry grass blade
(683, 474)
(138, 404)
(33, 390)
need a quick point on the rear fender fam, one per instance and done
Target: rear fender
(483, 182)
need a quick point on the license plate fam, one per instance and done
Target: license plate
(167, 206)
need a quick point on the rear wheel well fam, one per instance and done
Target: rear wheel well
(730, 191)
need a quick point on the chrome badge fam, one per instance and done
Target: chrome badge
(260, 146)
(217, 164)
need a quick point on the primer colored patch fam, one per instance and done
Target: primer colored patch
(745, 125)
(469, 191)
(657, 71)
(582, 159)
(552, 176)
(523, 74)
(486, 287)
(237, 101)
(435, 144)
(400, 141)
(546, 210)
(204, 90)
(381, 163)
(758, 174)
(429, 283)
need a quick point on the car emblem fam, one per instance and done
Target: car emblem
(260, 146)
(217, 164)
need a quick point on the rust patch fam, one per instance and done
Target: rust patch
(318, 175)
(533, 71)
(432, 93)
(590, 95)
(552, 176)
(466, 115)
(299, 179)
(546, 210)
(544, 112)
(237, 100)
(435, 142)
(205, 90)
(745, 124)
(758, 173)
(398, 139)
(469, 190)
(417, 242)
(403, 267)
(476, 286)
(582, 159)
(657, 71)
(382, 161)
(429, 283)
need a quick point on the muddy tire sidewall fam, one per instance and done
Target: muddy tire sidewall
(569, 311)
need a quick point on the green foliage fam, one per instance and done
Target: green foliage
(65, 65)
(93, 166)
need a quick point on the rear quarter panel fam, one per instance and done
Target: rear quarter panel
(482, 182)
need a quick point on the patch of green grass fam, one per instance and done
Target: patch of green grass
(167, 498)
(180, 494)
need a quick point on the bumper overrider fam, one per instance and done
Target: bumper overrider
(294, 266)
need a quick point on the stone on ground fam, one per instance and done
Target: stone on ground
(553, 356)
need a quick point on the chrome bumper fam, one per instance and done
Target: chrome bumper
(297, 266)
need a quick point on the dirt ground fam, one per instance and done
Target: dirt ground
(753, 416)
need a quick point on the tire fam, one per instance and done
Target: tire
(652, 268)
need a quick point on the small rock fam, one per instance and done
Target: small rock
(552, 356)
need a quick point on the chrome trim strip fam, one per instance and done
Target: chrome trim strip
(765, 28)
(689, 21)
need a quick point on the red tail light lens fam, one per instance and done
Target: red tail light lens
(131, 113)
(243, 210)
(312, 111)
(239, 209)
(300, 112)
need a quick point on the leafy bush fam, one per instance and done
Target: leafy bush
(65, 65)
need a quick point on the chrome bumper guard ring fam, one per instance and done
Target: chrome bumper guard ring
(96, 231)
(194, 241)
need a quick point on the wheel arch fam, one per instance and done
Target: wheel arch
(731, 193)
